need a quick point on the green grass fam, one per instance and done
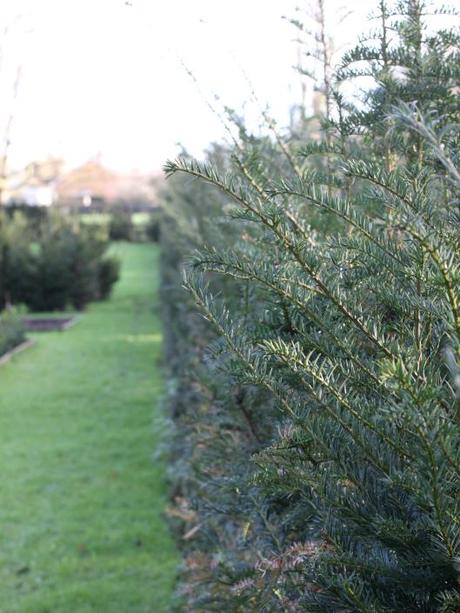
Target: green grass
(81, 491)
(100, 219)
(139, 219)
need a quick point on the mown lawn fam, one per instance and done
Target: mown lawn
(81, 490)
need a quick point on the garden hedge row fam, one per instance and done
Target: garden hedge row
(314, 346)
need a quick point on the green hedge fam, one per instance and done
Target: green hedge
(122, 224)
(314, 361)
(12, 331)
(62, 265)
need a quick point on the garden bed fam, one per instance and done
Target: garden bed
(49, 324)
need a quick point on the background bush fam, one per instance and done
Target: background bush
(152, 229)
(62, 265)
(121, 227)
(315, 399)
(108, 275)
(12, 331)
(121, 223)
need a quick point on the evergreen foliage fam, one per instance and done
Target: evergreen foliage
(12, 331)
(121, 227)
(317, 435)
(62, 264)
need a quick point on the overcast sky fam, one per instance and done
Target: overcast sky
(105, 76)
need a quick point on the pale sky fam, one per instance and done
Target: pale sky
(105, 76)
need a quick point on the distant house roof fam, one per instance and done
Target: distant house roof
(91, 179)
(45, 182)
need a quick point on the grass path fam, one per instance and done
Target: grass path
(81, 492)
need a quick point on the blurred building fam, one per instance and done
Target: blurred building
(45, 183)
(93, 184)
(88, 184)
(34, 185)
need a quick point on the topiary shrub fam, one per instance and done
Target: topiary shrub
(153, 227)
(121, 227)
(108, 275)
(62, 267)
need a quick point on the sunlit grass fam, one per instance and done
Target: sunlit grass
(102, 219)
(81, 494)
(140, 218)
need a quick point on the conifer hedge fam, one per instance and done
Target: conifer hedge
(315, 347)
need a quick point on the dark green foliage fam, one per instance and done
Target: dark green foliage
(316, 404)
(12, 331)
(108, 275)
(64, 265)
(153, 227)
(16, 257)
(407, 63)
(121, 227)
(35, 215)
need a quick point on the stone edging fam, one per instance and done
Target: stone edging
(72, 321)
(39, 325)
(22, 347)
